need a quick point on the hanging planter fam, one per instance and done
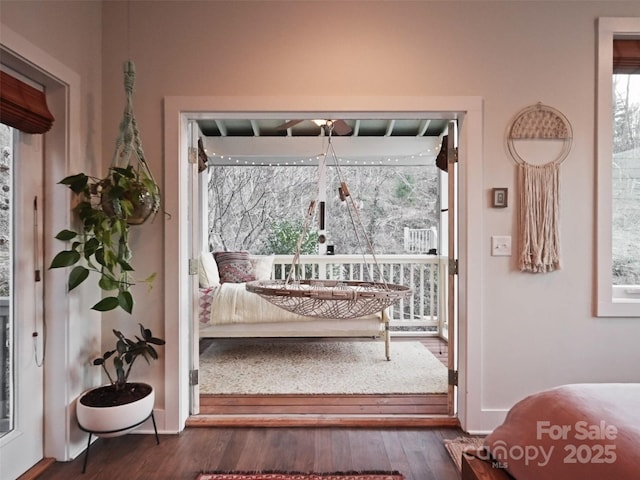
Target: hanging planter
(107, 207)
(142, 200)
(134, 197)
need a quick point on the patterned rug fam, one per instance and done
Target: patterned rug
(458, 445)
(259, 367)
(302, 476)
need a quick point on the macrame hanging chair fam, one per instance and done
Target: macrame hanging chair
(332, 298)
(129, 160)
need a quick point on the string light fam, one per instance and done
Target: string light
(254, 160)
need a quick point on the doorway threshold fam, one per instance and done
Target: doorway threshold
(311, 420)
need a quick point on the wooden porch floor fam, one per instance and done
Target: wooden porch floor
(335, 405)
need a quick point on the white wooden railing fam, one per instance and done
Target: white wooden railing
(420, 240)
(425, 312)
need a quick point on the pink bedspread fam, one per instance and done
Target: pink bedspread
(581, 432)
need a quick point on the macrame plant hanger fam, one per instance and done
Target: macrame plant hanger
(129, 153)
(539, 187)
(128, 159)
(332, 298)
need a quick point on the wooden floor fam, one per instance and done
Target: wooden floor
(345, 405)
(418, 454)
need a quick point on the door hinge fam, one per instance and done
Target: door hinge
(193, 377)
(453, 266)
(193, 155)
(454, 157)
(453, 377)
(193, 266)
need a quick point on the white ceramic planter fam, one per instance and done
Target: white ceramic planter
(118, 420)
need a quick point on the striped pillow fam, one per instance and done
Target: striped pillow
(234, 267)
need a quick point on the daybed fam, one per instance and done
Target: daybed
(572, 432)
(228, 310)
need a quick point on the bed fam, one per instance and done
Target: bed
(228, 310)
(578, 431)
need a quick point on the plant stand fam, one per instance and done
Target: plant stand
(92, 432)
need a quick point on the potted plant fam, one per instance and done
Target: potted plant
(106, 208)
(115, 408)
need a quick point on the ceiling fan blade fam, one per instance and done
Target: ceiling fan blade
(340, 127)
(287, 125)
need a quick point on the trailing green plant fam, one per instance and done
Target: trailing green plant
(126, 352)
(106, 208)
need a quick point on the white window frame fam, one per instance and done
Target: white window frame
(612, 301)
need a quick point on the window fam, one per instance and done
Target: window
(618, 172)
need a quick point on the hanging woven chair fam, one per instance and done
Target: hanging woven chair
(331, 298)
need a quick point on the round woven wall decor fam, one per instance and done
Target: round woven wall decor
(540, 122)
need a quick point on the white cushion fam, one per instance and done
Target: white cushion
(262, 266)
(208, 271)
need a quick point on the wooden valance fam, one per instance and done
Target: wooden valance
(626, 56)
(22, 106)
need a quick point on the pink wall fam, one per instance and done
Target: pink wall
(538, 330)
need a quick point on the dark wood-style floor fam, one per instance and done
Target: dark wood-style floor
(431, 404)
(419, 454)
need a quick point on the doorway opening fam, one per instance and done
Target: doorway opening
(180, 283)
(409, 165)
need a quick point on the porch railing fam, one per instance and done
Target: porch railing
(420, 240)
(425, 312)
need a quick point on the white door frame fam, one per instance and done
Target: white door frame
(67, 324)
(178, 111)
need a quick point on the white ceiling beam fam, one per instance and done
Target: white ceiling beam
(255, 127)
(424, 126)
(356, 128)
(222, 128)
(390, 125)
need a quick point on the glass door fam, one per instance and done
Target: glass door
(21, 304)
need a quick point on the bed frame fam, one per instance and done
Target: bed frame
(374, 326)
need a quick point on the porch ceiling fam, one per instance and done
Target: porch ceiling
(370, 141)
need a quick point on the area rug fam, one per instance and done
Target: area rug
(457, 446)
(302, 476)
(255, 367)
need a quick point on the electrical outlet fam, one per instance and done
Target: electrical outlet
(501, 245)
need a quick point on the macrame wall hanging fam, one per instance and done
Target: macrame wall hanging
(539, 187)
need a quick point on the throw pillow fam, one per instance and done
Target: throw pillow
(208, 271)
(234, 267)
(262, 266)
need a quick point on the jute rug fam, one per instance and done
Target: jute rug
(258, 367)
(459, 445)
(302, 476)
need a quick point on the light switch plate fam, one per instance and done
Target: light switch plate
(501, 245)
